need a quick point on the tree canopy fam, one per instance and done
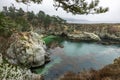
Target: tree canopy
(75, 6)
(12, 20)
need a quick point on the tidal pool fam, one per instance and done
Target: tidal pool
(78, 56)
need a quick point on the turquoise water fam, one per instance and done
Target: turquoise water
(76, 56)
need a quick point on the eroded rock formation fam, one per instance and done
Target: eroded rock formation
(106, 32)
(26, 49)
(84, 36)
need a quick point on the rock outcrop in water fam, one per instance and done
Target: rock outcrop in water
(27, 49)
(84, 36)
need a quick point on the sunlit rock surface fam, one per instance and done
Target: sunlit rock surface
(26, 49)
(84, 36)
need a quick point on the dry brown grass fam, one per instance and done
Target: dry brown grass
(109, 72)
(113, 29)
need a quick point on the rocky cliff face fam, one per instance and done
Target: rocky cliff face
(104, 31)
(86, 36)
(26, 49)
(110, 32)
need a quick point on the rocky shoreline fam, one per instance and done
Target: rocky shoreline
(102, 33)
(109, 72)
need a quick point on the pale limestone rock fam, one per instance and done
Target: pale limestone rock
(84, 36)
(27, 49)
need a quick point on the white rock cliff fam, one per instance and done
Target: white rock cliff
(27, 50)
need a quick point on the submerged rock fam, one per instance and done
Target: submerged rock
(27, 49)
(84, 36)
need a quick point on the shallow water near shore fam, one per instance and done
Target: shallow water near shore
(76, 57)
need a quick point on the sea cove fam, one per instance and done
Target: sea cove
(59, 40)
(76, 57)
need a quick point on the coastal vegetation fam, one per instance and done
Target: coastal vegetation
(16, 20)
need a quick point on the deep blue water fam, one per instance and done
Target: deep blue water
(76, 56)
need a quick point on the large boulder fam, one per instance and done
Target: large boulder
(27, 49)
(85, 36)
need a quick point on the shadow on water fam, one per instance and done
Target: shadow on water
(76, 57)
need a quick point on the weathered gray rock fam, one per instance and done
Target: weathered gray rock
(117, 61)
(1, 58)
(111, 37)
(27, 49)
(84, 36)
